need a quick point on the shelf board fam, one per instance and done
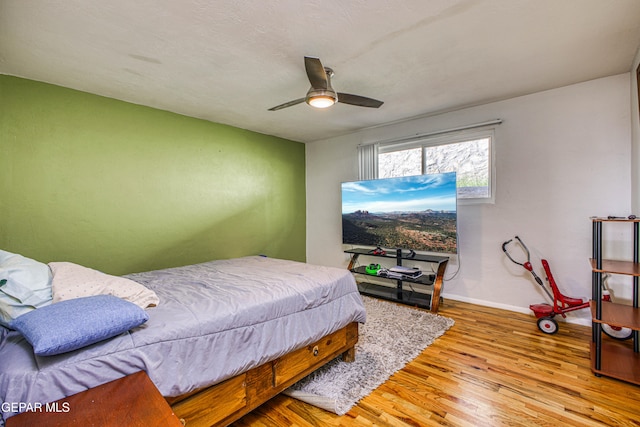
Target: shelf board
(629, 268)
(605, 219)
(425, 279)
(414, 299)
(392, 254)
(623, 316)
(618, 361)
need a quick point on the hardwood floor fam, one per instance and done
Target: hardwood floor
(492, 368)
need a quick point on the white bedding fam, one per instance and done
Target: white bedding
(71, 281)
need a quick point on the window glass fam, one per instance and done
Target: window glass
(470, 159)
(469, 154)
(400, 163)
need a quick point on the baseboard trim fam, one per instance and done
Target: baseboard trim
(570, 319)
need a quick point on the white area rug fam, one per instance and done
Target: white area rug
(393, 336)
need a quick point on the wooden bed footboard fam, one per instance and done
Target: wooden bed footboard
(223, 403)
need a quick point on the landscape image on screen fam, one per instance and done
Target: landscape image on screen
(416, 212)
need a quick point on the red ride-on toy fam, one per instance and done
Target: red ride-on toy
(562, 304)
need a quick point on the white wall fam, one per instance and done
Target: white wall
(635, 137)
(561, 156)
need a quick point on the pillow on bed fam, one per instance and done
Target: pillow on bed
(75, 281)
(25, 284)
(73, 324)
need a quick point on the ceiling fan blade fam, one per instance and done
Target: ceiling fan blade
(315, 72)
(360, 101)
(287, 104)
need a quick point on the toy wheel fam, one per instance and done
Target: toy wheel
(617, 332)
(548, 325)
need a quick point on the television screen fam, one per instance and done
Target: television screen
(414, 212)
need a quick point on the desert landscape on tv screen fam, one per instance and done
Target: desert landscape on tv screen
(417, 213)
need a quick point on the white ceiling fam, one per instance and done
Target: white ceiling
(228, 61)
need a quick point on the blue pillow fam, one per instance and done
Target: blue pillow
(76, 323)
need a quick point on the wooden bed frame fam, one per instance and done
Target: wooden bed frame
(223, 403)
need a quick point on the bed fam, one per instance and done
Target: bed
(224, 337)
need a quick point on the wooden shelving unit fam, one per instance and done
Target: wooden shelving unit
(615, 359)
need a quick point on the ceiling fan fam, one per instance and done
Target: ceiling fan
(321, 94)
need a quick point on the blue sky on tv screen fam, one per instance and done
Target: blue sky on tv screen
(405, 194)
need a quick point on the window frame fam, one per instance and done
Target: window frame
(446, 139)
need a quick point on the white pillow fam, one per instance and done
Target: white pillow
(25, 284)
(75, 281)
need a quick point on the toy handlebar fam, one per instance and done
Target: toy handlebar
(527, 264)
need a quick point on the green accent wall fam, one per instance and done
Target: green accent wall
(124, 188)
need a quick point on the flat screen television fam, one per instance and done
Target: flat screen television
(415, 212)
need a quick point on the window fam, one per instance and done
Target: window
(469, 153)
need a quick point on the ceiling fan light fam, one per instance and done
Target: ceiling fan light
(321, 101)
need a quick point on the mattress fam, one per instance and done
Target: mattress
(215, 320)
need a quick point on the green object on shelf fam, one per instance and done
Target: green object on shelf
(372, 269)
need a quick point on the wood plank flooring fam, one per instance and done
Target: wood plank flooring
(492, 368)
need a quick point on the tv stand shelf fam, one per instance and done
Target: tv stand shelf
(400, 293)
